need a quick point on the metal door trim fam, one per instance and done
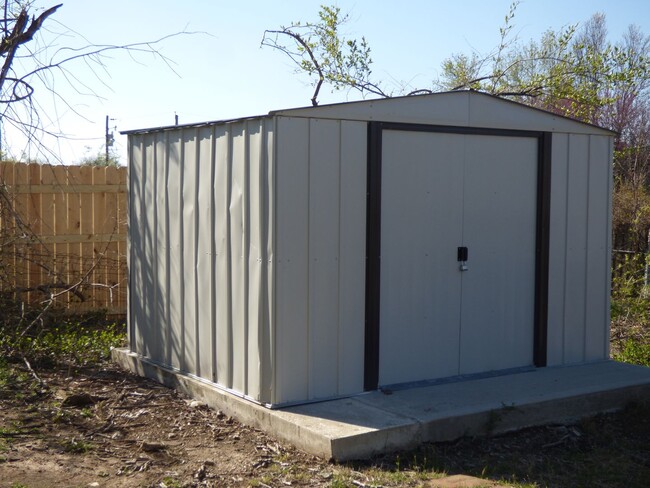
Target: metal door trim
(373, 235)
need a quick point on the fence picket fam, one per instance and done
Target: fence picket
(78, 217)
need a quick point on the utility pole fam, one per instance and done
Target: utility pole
(109, 140)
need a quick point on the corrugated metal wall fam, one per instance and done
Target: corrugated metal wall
(580, 249)
(201, 252)
(320, 258)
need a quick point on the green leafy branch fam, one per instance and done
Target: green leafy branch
(320, 50)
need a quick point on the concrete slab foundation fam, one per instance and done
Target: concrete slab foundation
(376, 422)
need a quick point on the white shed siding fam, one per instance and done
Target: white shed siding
(352, 253)
(258, 321)
(204, 220)
(222, 296)
(575, 275)
(247, 247)
(320, 256)
(198, 271)
(291, 349)
(557, 249)
(598, 251)
(578, 317)
(187, 214)
(134, 242)
(324, 202)
(159, 272)
(238, 234)
(174, 258)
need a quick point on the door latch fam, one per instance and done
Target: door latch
(462, 258)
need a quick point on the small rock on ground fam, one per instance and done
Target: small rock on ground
(463, 481)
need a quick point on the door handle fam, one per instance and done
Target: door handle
(462, 258)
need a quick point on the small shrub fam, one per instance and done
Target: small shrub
(631, 312)
(634, 351)
(630, 296)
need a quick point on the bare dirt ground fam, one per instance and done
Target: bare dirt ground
(107, 428)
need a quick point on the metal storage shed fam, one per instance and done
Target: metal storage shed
(321, 252)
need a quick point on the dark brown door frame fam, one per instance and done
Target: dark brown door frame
(373, 236)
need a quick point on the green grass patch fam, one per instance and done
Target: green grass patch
(14, 382)
(634, 351)
(69, 342)
(630, 312)
(74, 446)
(170, 482)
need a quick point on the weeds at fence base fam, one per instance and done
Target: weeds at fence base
(62, 340)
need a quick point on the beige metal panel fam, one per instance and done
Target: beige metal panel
(130, 323)
(202, 270)
(489, 111)
(269, 337)
(421, 228)
(148, 222)
(352, 254)
(324, 197)
(239, 255)
(222, 293)
(291, 341)
(175, 337)
(135, 243)
(597, 323)
(159, 259)
(256, 257)
(557, 249)
(576, 254)
(188, 243)
(610, 190)
(441, 109)
(499, 230)
(205, 297)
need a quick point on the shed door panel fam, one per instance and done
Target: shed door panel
(499, 228)
(422, 177)
(441, 191)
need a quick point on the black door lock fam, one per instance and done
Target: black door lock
(462, 254)
(462, 258)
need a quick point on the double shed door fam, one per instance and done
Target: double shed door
(439, 192)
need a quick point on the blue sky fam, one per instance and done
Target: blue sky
(224, 73)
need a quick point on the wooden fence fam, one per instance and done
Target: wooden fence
(76, 221)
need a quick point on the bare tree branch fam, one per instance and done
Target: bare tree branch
(308, 50)
(20, 35)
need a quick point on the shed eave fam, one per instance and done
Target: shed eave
(192, 125)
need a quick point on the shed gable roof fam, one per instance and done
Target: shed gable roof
(457, 108)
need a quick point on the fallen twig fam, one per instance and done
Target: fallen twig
(33, 373)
